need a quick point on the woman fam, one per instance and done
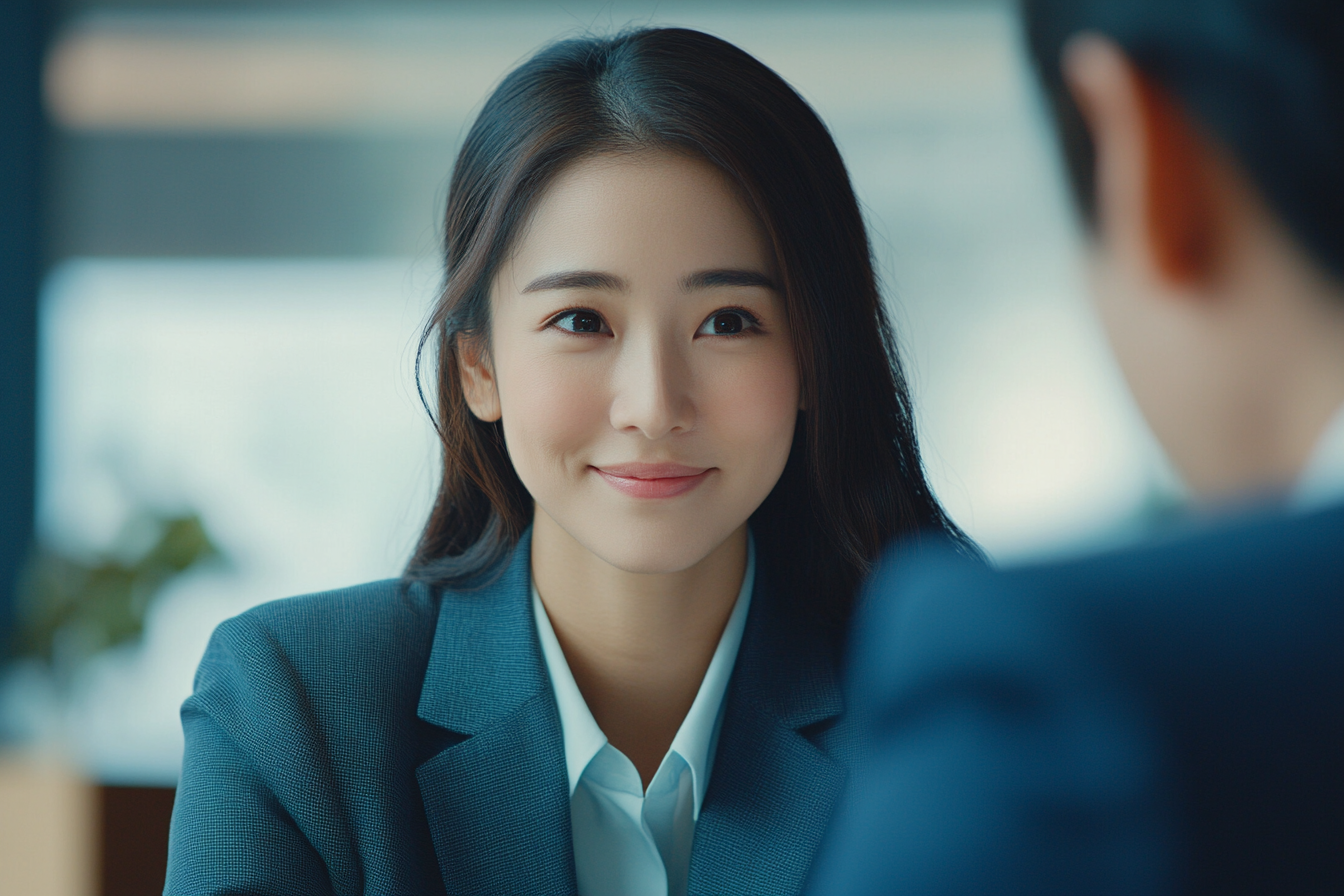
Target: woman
(675, 435)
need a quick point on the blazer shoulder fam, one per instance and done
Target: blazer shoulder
(387, 617)
(301, 738)
(367, 644)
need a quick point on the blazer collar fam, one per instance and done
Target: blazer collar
(486, 661)
(784, 665)
(497, 801)
(773, 789)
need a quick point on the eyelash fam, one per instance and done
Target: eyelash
(751, 324)
(571, 312)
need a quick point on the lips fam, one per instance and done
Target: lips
(653, 480)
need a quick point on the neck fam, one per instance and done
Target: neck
(1280, 374)
(638, 644)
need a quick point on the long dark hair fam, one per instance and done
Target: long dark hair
(853, 480)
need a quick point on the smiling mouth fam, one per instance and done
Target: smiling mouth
(653, 480)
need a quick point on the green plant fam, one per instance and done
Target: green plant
(72, 607)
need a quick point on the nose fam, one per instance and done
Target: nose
(652, 389)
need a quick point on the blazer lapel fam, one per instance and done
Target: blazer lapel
(497, 802)
(772, 789)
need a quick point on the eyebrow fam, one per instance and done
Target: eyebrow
(729, 277)
(690, 283)
(576, 280)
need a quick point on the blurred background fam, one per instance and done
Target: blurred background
(220, 224)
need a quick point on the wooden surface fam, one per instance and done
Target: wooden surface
(48, 829)
(62, 835)
(134, 822)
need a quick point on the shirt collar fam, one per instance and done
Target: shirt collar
(1322, 480)
(695, 739)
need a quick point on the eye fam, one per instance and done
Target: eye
(580, 320)
(728, 322)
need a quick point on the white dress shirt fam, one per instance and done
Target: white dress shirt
(628, 842)
(1322, 481)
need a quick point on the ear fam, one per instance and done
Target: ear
(1156, 200)
(478, 379)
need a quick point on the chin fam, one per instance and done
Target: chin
(652, 548)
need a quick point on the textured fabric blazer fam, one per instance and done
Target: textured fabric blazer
(1168, 718)
(386, 739)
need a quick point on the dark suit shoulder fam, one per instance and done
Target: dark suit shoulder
(1307, 545)
(1264, 574)
(1301, 548)
(1192, 681)
(1247, 598)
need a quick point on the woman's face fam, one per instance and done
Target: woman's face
(641, 360)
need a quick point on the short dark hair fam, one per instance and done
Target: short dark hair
(1263, 77)
(853, 479)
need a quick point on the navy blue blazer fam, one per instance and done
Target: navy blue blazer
(1168, 718)
(385, 739)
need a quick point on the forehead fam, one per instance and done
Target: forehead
(655, 212)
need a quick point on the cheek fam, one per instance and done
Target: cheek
(550, 408)
(755, 408)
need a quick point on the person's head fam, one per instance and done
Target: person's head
(655, 257)
(1203, 141)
